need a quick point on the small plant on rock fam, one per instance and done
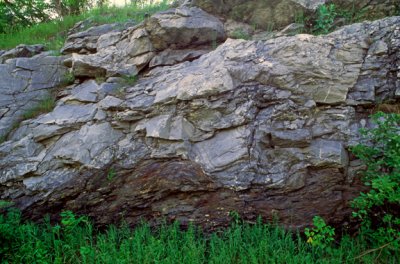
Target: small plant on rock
(68, 78)
(240, 34)
(129, 80)
(111, 174)
(45, 105)
(326, 15)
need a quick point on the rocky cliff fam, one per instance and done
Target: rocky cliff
(212, 125)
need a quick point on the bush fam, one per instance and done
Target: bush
(321, 235)
(324, 22)
(379, 209)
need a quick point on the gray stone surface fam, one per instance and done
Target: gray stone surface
(88, 41)
(25, 81)
(172, 57)
(21, 51)
(279, 14)
(252, 126)
(128, 52)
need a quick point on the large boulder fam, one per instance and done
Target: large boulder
(257, 127)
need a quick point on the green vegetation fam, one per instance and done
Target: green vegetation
(129, 80)
(378, 209)
(321, 235)
(240, 34)
(43, 106)
(68, 78)
(75, 240)
(329, 17)
(124, 82)
(22, 13)
(111, 174)
(53, 33)
(324, 22)
(100, 79)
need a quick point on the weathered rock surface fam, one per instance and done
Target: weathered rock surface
(25, 81)
(280, 13)
(21, 51)
(129, 51)
(259, 127)
(86, 41)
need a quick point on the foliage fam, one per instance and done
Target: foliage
(53, 33)
(111, 174)
(45, 105)
(4, 204)
(324, 22)
(129, 80)
(75, 240)
(100, 79)
(22, 13)
(379, 208)
(321, 234)
(68, 78)
(240, 34)
(70, 7)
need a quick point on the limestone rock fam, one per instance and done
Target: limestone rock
(21, 51)
(126, 53)
(280, 14)
(172, 57)
(89, 40)
(183, 27)
(252, 126)
(25, 81)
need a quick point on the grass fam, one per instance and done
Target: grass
(45, 105)
(128, 80)
(53, 33)
(240, 34)
(387, 108)
(76, 240)
(111, 174)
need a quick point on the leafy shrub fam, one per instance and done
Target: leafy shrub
(322, 235)
(324, 22)
(379, 208)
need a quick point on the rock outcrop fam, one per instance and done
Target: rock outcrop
(126, 53)
(27, 76)
(257, 127)
(280, 13)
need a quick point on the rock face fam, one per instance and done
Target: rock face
(25, 80)
(126, 53)
(280, 13)
(258, 127)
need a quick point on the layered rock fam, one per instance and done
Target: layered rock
(126, 53)
(27, 76)
(258, 127)
(280, 13)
